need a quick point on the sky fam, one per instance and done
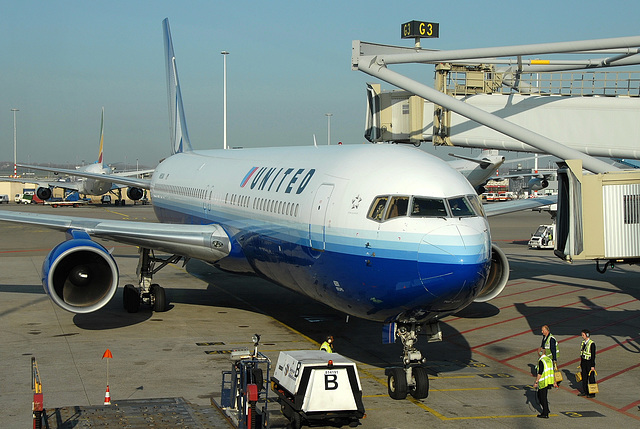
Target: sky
(288, 65)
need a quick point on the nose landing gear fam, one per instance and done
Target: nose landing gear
(412, 378)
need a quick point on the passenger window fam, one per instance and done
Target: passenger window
(398, 207)
(460, 207)
(377, 208)
(428, 207)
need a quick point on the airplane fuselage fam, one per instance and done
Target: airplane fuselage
(305, 218)
(93, 186)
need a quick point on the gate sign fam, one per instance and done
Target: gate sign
(420, 29)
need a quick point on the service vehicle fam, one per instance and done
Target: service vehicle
(58, 202)
(315, 387)
(544, 237)
(4, 198)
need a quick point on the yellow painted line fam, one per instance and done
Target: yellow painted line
(538, 62)
(118, 213)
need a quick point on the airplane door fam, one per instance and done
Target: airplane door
(317, 221)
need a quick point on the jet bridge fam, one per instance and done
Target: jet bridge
(502, 100)
(497, 98)
(598, 216)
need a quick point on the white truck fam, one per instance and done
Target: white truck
(314, 386)
(544, 237)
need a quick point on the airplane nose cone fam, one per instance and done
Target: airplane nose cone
(452, 262)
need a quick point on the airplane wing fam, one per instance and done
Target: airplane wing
(518, 205)
(206, 242)
(114, 178)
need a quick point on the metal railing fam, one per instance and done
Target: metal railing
(610, 84)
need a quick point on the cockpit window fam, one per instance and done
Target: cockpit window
(460, 207)
(477, 205)
(398, 207)
(428, 207)
(389, 206)
(377, 208)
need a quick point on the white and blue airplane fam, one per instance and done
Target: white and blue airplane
(382, 232)
(95, 185)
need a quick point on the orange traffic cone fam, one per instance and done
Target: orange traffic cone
(107, 397)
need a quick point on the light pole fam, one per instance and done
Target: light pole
(328, 115)
(15, 146)
(224, 97)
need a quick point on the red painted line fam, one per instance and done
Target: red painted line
(24, 251)
(531, 314)
(601, 380)
(631, 405)
(611, 346)
(526, 291)
(508, 295)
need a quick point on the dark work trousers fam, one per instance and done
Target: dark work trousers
(544, 400)
(585, 367)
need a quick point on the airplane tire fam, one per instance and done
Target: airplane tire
(159, 298)
(296, 421)
(421, 389)
(397, 384)
(131, 298)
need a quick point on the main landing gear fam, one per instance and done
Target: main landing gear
(148, 293)
(412, 378)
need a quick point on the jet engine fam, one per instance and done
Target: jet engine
(537, 183)
(135, 193)
(80, 275)
(43, 193)
(498, 276)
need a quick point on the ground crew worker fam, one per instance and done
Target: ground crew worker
(549, 346)
(587, 363)
(327, 346)
(544, 381)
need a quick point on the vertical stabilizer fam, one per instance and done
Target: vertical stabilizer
(177, 124)
(99, 161)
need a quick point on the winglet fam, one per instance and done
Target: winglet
(177, 123)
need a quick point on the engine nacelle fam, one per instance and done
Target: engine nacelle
(135, 193)
(80, 275)
(44, 193)
(498, 276)
(537, 183)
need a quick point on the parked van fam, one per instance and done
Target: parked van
(4, 198)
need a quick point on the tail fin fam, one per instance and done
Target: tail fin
(177, 123)
(99, 161)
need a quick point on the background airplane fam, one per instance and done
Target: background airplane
(478, 170)
(382, 232)
(96, 185)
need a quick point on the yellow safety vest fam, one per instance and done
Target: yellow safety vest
(547, 347)
(326, 347)
(585, 351)
(547, 377)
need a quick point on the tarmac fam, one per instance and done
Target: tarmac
(166, 367)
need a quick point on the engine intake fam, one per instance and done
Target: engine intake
(135, 193)
(80, 275)
(498, 276)
(44, 193)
